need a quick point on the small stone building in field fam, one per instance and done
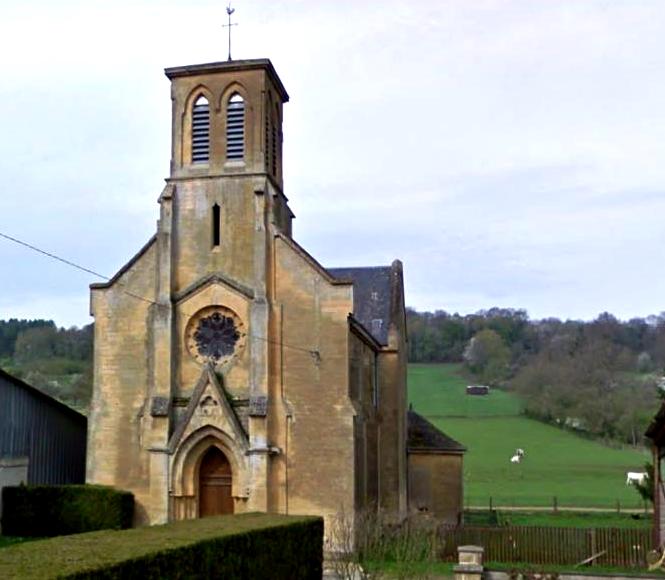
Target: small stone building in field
(436, 470)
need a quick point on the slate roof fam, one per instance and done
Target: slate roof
(423, 436)
(371, 297)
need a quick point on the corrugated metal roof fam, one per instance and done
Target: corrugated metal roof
(49, 433)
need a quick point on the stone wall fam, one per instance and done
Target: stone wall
(436, 485)
(117, 450)
(312, 410)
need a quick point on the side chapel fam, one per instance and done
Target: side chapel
(232, 371)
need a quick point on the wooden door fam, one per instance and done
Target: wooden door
(215, 480)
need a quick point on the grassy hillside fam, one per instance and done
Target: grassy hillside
(578, 471)
(440, 389)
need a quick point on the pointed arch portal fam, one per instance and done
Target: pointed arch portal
(215, 484)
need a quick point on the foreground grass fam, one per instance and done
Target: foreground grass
(525, 567)
(435, 570)
(431, 570)
(579, 472)
(561, 519)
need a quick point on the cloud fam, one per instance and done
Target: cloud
(507, 151)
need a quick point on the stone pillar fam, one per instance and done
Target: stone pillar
(158, 405)
(259, 344)
(470, 563)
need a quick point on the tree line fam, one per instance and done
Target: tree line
(55, 360)
(601, 377)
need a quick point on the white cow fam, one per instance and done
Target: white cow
(633, 477)
(519, 452)
(516, 458)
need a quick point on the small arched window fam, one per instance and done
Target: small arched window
(216, 226)
(235, 128)
(201, 130)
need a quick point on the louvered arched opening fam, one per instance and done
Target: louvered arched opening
(201, 130)
(267, 141)
(235, 128)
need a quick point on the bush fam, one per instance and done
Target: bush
(364, 543)
(229, 547)
(57, 510)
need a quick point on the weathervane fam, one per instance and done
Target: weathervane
(230, 11)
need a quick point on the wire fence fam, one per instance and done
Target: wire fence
(550, 545)
(556, 503)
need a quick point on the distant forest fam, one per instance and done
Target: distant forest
(602, 377)
(56, 360)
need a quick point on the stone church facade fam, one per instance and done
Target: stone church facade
(233, 372)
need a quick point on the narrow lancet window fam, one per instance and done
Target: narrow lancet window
(274, 149)
(216, 226)
(235, 128)
(201, 130)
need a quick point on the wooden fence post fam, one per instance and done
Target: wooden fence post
(490, 503)
(555, 505)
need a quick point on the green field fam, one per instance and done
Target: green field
(559, 519)
(578, 471)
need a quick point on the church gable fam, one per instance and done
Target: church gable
(209, 407)
(133, 263)
(216, 278)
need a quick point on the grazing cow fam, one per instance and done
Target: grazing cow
(633, 477)
(519, 452)
(516, 459)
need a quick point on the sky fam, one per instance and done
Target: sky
(510, 153)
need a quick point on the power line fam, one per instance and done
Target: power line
(315, 354)
(53, 256)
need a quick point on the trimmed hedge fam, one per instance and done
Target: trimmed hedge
(55, 510)
(246, 546)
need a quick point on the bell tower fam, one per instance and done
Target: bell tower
(227, 119)
(226, 170)
(220, 212)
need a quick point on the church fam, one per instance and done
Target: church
(232, 371)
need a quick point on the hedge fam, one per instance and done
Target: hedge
(56, 510)
(247, 546)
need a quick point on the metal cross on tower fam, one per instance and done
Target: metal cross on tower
(230, 11)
